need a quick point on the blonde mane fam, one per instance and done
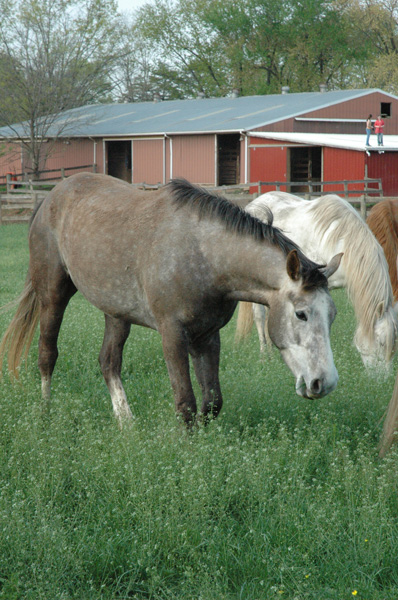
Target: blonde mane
(367, 278)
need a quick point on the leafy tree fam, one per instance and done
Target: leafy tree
(299, 43)
(54, 55)
(184, 47)
(376, 23)
(324, 46)
(255, 46)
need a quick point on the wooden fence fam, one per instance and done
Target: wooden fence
(22, 193)
(17, 179)
(17, 204)
(316, 188)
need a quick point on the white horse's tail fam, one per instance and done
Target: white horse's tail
(244, 322)
(390, 426)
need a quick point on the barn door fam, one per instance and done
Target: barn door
(305, 165)
(228, 152)
(119, 159)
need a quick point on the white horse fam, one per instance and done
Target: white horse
(322, 228)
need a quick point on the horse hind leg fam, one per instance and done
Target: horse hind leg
(52, 307)
(110, 359)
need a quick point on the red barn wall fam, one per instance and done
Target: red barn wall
(73, 153)
(267, 162)
(193, 157)
(64, 154)
(339, 164)
(10, 162)
(147, 161)
(358, 108)
(384, 166)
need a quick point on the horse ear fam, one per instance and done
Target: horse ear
(380, 310)
(293, 265)
(332, 265)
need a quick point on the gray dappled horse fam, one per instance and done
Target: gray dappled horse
(176, 260)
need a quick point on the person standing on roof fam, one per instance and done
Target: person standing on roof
(379, 126)
(369, 128)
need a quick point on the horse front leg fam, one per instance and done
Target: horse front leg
(206, 362)
(175, 350)
(110, 359)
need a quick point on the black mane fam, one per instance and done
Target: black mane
(237, 220)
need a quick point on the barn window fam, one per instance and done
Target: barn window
(385, 109)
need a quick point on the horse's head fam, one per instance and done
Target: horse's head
(377, 345)
(300, 317)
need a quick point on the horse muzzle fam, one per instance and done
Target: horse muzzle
(317, 388)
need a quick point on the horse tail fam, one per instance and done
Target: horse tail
(19, 334)
(244, 322)
(390, 425)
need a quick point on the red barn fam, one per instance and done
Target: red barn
(324, 157)
(219, 141)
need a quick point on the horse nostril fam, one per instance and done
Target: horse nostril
(316, 386)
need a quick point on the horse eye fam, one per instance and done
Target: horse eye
(301, 315)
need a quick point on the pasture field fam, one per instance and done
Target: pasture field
(280, 497)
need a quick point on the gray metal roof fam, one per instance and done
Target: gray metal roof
(190, 116)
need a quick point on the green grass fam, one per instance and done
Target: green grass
(280, 497)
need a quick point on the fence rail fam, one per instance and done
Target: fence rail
(18, 203)
(315, 188)
(361, 197)
(16, 180)
(23, 193)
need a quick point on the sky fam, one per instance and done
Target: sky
(130, 5)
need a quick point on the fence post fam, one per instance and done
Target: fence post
(346, 190)
(362, 201)
(259, 188)
(8, 187)
(35, 197)
(62, 173)
(94, 168)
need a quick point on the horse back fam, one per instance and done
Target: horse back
(133, 254)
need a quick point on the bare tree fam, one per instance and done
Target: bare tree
(54, 55)
(132, 78)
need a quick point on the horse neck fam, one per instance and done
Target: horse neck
(250, 269)
(293, 216)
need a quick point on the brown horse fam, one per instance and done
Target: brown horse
(176, 260)
(383, 221)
